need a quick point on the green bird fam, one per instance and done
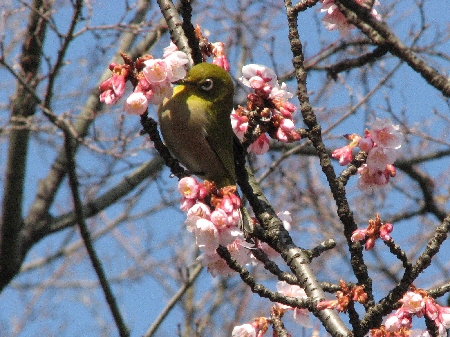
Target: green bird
(196, 127)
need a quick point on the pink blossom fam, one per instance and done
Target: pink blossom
(234, 217)
(228, 235)
(412, 302)
(188, 187)
(260, 145)
(219, 218)
(431, 309)
(227, 204)
(287, 109)
(370, 243)
(380, 178)
(108, 97)
(280, 96)
(170, 49)
(160, 91)
(199, 209)
(385, 134)
(215, 264)
(334, 19)
(258, 75)
(444, 316)
(240, 251)
(136, 104)
(176, 69)
(239, 124)
(385, 230)
(244, 330)
(393, 322)
(391, 170)
(327, 304)
(118, 84)
(207, 236)
(287, 289)
(285, 132)
(219, 55)
(365, 180)
(271, 253)
(366, 143)
(287, 124)
(186, 204)
(145, 87)
(282, 136)
(359, 235)
(112, 89)
(300, 315)
(155, 71)
(279, 93)
(401, 318)
(344, 154)
(379, 157)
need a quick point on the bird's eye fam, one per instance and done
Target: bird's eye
(207, 84)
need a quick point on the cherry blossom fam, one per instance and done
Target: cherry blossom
(269, 100)
(300, 315)
(382, 144)
(334, 19)
(375, 230)
(244, 330)
(136, 104)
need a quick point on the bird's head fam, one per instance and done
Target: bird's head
(209, 82)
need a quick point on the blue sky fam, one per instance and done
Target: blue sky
(71, 304)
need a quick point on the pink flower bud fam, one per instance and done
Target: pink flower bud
(358, 235)
(385, 230)
(365, 144)
(188, 187)
(344, 154)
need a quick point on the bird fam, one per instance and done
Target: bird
(196, 127)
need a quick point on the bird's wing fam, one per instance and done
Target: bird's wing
(221, 142)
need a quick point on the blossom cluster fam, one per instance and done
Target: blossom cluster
(415, 302)
(334, 19)
(382, 144)
(375, 230)
(344, 297)
(270, 100)
(215, 49)
(260, 325)
(213, 217)
(152, 78)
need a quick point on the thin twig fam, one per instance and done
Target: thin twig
(78, 206)
(174, 300)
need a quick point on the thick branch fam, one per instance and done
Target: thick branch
(23, 106)
(381, 35)
(315, 135)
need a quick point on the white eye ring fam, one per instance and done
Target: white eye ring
(207, 84)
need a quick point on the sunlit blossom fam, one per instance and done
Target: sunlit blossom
(385, 134)
(244, 330)
(334, 19)
(136, 104)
